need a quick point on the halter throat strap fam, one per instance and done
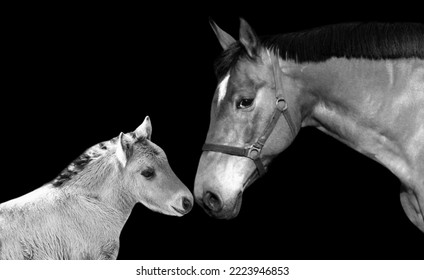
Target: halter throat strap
(254, 150)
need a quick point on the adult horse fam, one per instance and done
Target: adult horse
(80, 214)
(363, 84)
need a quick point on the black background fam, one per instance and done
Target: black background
(75, 77)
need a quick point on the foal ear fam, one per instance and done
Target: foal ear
(121, 150)
(224, 38)
(145, 129)
(248, 38)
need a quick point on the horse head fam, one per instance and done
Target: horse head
(246, 131)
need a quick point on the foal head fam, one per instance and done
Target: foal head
(242, 110)
(145, 174)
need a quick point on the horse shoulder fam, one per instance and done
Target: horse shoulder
(407, 110)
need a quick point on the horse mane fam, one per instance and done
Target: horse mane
(80, 163)
(372, 40)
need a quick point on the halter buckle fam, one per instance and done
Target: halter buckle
(254, 151)
(281, 104)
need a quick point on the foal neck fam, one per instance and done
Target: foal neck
(100, 182)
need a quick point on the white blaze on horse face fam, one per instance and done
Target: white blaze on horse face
(222, 88)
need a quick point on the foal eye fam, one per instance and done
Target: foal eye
(148, 173)
(244, 103)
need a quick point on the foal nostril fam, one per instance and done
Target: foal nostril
(212, 201)
(187, 205)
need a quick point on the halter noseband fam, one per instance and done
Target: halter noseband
(254, 150)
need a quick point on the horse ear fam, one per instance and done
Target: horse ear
(121, 150)
(224, 38)
(248, 38)
(145, 129)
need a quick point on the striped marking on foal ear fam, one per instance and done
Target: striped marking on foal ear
(222, 88)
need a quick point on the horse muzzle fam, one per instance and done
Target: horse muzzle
(216, 207)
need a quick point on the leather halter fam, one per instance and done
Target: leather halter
(254, 150)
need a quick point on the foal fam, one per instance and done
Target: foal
(80, 214)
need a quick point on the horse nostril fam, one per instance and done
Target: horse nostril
(187, 205)
(212, 201)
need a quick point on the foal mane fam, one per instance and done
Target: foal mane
(80, 163)
(374, 41)
(94, 157)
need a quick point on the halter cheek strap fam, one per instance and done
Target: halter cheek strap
(254, 150)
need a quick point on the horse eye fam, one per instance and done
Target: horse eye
(244, 103)
(148, 173)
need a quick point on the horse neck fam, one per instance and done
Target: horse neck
(344, 98)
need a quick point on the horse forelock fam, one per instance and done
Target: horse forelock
(229, 58)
